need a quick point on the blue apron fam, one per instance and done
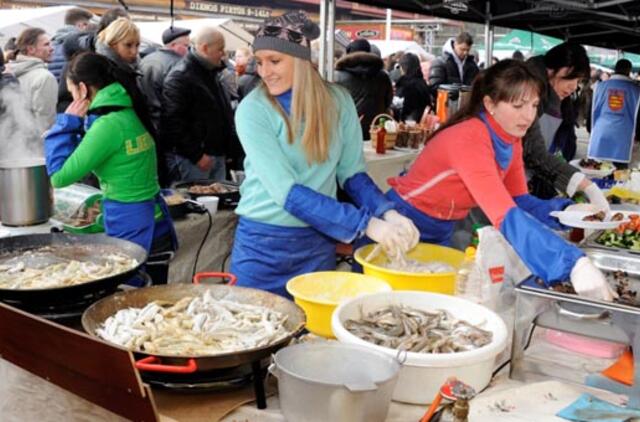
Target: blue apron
(135, 221)
(266, 256)
(615, 107)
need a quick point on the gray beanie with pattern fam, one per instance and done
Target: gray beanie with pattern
(290, 34)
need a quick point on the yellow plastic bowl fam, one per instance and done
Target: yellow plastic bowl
(400, 280)
(318, 294)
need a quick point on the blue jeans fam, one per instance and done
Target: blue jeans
(181, 169)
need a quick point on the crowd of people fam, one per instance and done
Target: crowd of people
(182, 113)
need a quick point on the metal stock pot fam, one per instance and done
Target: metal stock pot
(25, 193)
(450, 99)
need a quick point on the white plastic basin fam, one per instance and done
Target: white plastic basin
(423, 373)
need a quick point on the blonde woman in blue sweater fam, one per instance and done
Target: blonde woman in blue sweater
(302, 137)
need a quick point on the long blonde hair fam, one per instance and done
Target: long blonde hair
(119, 30)
(312, 107)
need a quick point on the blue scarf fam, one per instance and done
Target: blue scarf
(504, 150)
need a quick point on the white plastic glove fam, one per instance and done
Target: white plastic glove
(394, 217)
(588, 281)
(596, 198)
(390, 236)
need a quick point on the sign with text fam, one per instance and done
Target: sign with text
(229, 9)
(375, 32)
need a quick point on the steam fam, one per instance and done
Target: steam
(21, 137)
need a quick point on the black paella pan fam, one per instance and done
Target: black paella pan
(97, 313)
(41, 250)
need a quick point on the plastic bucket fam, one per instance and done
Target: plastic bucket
(318, 294)
(400, 280)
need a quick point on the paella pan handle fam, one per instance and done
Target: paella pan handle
(225, 276)
(151, 364)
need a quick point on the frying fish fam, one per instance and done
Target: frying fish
(200, 326)
(18, 275)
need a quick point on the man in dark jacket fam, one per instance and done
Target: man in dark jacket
(361, 72)
(156, 66)
(455, 66)
(75, 20)
(197, 129)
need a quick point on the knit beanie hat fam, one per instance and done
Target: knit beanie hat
(290, 34)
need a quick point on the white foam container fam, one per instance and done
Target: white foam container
(422, 374)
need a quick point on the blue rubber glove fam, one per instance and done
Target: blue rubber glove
(338, 220)
(540, 209)
(61, 140)
(365, 193)
(547, 255)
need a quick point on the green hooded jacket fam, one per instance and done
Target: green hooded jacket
(117, 148)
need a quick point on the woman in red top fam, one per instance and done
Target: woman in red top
(475, 159)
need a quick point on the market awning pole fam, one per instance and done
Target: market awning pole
(331, 35)
(488, 37)
(322, 56)
(388, 26)
(327, 35)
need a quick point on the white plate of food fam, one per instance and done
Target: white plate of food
(593, 168)
(591, 220)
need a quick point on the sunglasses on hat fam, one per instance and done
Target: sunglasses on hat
(280, 32)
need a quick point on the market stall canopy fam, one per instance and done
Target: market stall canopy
(610, 60)
(14, 21)
(234, 36)
(527, 42)
(387, 48)
(603, 23)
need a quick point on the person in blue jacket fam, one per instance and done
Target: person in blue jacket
(615, 111)
(100, 132)
(302, 137)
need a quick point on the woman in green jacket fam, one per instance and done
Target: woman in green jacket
(101, 133)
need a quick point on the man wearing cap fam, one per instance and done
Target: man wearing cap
(361, 72)
(157, 65)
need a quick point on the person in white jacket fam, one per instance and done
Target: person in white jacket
(38, 84)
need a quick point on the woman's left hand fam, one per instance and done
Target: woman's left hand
(405, 224)
(78, 108)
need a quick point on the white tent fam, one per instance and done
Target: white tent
(234, 35)
(14, 21)
(387, 48)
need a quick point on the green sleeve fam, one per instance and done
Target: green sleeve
(97, 145)
(352, 157)
(258, 135)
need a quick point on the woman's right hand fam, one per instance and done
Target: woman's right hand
(78, 108)
(588, 281)
(390, 236)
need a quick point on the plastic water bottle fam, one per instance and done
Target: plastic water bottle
(469, 278)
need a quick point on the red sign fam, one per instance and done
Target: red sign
(375, 32)
(616, 99)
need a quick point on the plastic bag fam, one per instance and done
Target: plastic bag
(500, 264)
